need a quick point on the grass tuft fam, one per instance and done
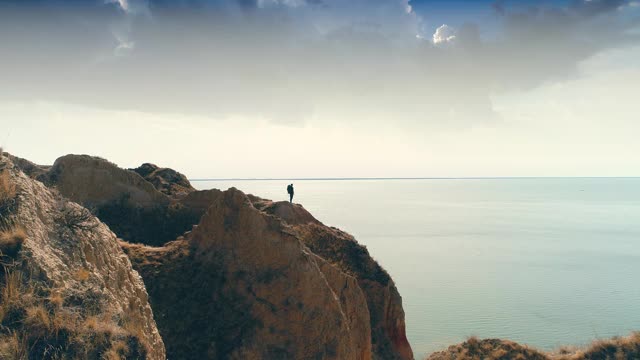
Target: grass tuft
(37, 322)
(7, 187)
(11, 240)
(82, 275)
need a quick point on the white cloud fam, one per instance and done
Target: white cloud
(444, 34)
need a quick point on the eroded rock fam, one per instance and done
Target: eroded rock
(261, 293)
(165, 180)
(130, 205)
(74, 292)
(388, 334)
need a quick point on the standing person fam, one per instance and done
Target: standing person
(290, 192)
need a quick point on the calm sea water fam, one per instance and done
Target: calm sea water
(546, 262)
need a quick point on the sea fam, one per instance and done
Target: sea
(542, 261)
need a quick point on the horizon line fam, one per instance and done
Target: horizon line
(416, 178)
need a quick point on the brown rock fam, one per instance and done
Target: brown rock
(93, 181)
(199, 201)
(31, 169)
(341, 249)
(129, 204)
(253, 290)
(165, 180)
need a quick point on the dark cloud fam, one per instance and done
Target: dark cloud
(287, 61)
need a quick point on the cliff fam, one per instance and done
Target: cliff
(235, 277)
(343, 251)
(253, 290)
(68, 290)
(290, 301)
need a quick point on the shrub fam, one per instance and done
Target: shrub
(81, 275)
(76, 218)
(7, 197)
(7, 187)
(13, 347)
(11, 241)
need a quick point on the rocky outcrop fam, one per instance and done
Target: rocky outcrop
(266, 298)
(255, 291)
(31, 169)
(130, 205)
(165, 180)
(198, 202)
(94, 181)
(489, 349)
(627, 347)
(68, 289)
(341, 249)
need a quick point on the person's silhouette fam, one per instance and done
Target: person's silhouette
(290, 192)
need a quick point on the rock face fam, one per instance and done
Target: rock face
(255, 291)
(70, 291)
(165, 180)
(342, 250)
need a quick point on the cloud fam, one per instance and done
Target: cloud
(592, 8)
(292, 61)
(444, 34)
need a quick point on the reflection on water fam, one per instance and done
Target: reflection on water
(546, 262)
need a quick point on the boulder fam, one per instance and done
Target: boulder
(165, 180)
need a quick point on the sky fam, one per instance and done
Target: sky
(326, 88)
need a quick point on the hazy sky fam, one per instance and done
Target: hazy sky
(326, 88)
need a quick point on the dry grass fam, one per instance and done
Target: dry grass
(12, 290)
(116, 351)
(82, 275)
(36, 324)
(7, 197)
(7, 187)
(38, 317)
(489, 349)
(55, 298)
(619, 348)
(14, 347)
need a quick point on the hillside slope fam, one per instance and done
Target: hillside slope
(68, 290)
